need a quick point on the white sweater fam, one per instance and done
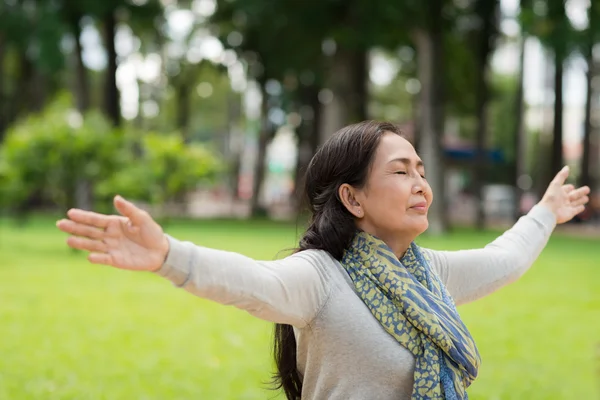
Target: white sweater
(343, 352)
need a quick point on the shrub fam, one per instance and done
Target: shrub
(61, 159)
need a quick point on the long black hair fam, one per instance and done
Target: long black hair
(346, 157)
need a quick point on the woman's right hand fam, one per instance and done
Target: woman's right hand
(132, 241)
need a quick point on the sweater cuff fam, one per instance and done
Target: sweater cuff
(176, 267)
(544, 216)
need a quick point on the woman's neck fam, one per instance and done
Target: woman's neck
(398, 243)
(398, 246)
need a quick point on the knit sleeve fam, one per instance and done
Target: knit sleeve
(473, 274)
(288, 291)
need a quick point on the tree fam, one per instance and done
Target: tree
(518, 129)
(241, 26)
(72, 13)
(30, 57)
(428, 39)
(142, 15)
(590, 37)
(548, 21)
(559, 35)
(486, 13)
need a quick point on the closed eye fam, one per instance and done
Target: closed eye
(404, 173)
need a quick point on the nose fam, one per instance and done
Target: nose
(418, 186)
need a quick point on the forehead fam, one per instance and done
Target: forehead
(392, 146)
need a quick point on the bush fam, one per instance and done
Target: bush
(62, 159)
(166, 169)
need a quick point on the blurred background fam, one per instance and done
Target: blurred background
(207, 112)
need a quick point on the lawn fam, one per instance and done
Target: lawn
(72, 330)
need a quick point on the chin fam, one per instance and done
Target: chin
(422, 227)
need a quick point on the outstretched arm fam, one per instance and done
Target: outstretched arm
(289, 291)
(472, 274)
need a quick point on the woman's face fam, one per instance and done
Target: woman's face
(393, 204)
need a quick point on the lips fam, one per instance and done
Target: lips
(421, 206)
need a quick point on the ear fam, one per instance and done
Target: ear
(348, 197)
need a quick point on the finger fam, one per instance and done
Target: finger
(86, 244)
(129, 210)
(89, 218)
(100, 258)
(127, 226)
(580, 201)
(562, 176)
(568, 188)
(78, 229)
(582, 191)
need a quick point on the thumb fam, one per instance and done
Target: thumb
(562, 176)
(126, 208)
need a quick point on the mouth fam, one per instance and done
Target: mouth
(421, 207)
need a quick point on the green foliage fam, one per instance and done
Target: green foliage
(46, 155)
(35, 30)
(548, 21)
(166, 170)
(208, 115)
(289, 42)
(460, 86)
(502, 115)
(50, 157)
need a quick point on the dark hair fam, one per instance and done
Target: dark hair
(346, 157)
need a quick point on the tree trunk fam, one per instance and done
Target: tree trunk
(486, 13)
(81, 87)
(257, 209)
(82, 191)
(3, 124)
(183, 109)
(519, 134)
(32, 90)
(112, 107)
(15, 104)
(236, 166)
(361, 83)
(416, 141)
(347, 80)
(38, 90)
(557, 144)
(22, 96)
(139, 122)
(234, 145)
(315, 134)
(585, 177)
(431, 113)
(309, 138)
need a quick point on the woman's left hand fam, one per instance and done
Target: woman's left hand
(564, 200)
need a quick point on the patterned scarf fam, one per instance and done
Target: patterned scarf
(413, 306)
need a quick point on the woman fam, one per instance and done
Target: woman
(361, 310)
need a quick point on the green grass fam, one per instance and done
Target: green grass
(72, 330)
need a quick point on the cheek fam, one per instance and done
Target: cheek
(398, 197)
(393, 195)
(428, 193)
(404, 192)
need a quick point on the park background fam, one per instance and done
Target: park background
(206, 113)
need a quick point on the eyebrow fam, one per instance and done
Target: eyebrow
(406, 161)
